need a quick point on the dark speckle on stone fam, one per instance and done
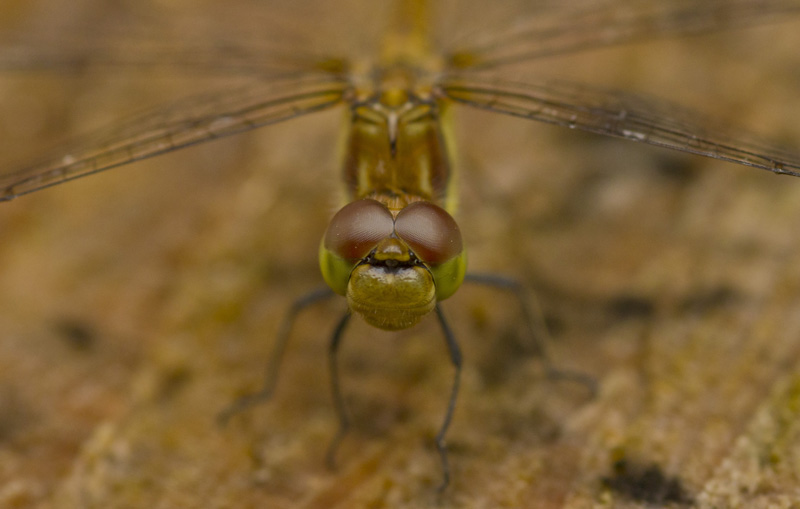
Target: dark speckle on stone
(631, 306)
(646, 484)
(76, 333)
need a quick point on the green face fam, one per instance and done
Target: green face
(393, 270)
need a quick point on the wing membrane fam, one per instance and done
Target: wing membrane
(567, 27)
(222, 58)
(250, 37)
(612, 113)
(167, 128)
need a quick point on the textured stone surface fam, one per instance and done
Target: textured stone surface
(136, 304)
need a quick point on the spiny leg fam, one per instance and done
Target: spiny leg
(273, 365)
(455, 358)
(338, 401)
(534, 321)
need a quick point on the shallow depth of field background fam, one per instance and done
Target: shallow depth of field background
(136, 304)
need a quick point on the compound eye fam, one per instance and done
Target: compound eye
(429, 231)
(357, 228)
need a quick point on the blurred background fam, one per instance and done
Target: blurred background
(137, 303)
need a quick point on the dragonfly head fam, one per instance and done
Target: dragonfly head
(393, 270)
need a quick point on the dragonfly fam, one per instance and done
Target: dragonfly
(394, 249)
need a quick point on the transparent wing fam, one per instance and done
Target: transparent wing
(557, 27)
(69, 53)
(245, 37)
(221, 59)
(618, 114)
(170, 127)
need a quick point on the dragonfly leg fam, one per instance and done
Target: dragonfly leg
(455, 358)
(537, 330)
(336, 390)
(273, 365)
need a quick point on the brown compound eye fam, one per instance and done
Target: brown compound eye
(429, 231)
(357, 228)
